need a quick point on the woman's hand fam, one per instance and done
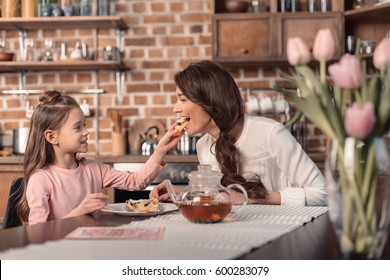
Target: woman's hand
(91, 203)
(166, 143)
(160, 192)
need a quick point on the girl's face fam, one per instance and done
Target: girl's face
(73, 136)
(200, 121)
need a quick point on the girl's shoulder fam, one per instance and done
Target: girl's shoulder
(92, 164)
(89, 161)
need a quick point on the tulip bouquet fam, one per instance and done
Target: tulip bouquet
(352, 109)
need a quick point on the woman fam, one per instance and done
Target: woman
(256, 152)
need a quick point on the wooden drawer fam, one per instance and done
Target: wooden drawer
(306, 26)
(244, 37)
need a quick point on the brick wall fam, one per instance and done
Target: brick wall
(163, 37)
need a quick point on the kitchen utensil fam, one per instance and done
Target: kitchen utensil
(116, 118)
(205, 200)
(138, 128)
(111, 53)
(6, 56)
(10, 8)
(19, 140)
(187, 145)
(85, 108)
(118, 144)
(119, 209)
(149, 141)
(235, 6)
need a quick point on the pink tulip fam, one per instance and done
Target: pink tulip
(297, 51)
(324, 45)
(360, 119)
(382, 54)
(347, 73)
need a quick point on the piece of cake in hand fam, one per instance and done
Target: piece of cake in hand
(181, 123)
(142, 205)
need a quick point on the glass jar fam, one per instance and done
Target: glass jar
(46, 8)
(358, 4)
(28, 8)
(10, 8)
(85, 8)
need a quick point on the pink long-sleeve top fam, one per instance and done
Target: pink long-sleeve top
(53, 192)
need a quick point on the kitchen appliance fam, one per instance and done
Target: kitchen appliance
(177, 173)
(19, 140)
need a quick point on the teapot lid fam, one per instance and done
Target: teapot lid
(204, 177)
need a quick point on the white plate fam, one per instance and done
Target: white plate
(119, 209)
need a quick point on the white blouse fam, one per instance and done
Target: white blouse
(269, 150)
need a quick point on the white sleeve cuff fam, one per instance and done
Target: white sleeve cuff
(292, 197)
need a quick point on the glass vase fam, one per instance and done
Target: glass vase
(358, 186)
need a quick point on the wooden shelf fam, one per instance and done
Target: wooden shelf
(80, 22)
(87, 65)
(372, 14)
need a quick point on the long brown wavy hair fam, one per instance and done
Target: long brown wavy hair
(50, 114)
(209, 85)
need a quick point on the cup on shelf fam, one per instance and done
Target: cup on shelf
(280, 105)
(252, 105)
(266, 105)
(367, 46)
(85, 108)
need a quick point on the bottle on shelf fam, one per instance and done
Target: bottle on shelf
(46, 8)
(68, 8)
(288, 6)
(103, 7)
(85, 8)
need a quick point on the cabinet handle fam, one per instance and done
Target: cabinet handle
(244, 51)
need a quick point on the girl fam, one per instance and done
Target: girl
(256, 152)
(57, 182)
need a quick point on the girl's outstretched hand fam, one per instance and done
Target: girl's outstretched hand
(166, 143)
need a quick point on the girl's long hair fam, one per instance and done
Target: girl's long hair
(50, 114)
(209, 85)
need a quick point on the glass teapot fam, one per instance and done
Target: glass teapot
(205, 200)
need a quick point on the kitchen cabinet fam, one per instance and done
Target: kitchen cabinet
(244, 38)
(371, 22)
(260, 39)
(23, 25)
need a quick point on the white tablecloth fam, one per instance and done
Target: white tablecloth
(238, 234)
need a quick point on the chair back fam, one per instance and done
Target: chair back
(11, 218)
